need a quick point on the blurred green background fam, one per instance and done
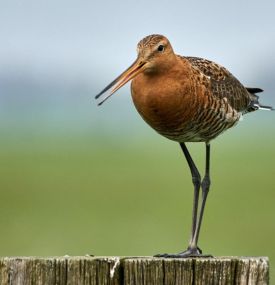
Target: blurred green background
(103, 195)
(78, 179)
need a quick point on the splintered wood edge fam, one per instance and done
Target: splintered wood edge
(133, 270)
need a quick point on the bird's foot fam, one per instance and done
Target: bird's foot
(190, 252)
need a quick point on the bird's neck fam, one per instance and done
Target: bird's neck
(176, 70)
(162, 67)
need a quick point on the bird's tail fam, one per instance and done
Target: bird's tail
(267, 108)
(255, 104)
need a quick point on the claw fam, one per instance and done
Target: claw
(194, 252)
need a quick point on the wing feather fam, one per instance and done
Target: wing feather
(224, 84)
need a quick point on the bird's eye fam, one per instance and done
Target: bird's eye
(161, 48)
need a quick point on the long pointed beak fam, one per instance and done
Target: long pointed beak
(122, 79)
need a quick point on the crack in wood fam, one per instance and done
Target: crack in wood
(89, 270)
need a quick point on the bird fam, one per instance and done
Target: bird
(185, 99)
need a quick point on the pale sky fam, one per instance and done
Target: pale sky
(85, 44)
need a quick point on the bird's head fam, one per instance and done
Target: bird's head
(155, 54)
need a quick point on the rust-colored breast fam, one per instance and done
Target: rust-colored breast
(167, 102)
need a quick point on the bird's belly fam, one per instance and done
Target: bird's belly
(183, 122)
(180, 130)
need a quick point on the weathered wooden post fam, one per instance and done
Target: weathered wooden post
(133, 271)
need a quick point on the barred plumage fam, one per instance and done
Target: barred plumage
(224, 84)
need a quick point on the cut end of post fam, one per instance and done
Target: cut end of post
(134, 270)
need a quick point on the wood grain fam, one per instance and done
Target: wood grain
(88, 270)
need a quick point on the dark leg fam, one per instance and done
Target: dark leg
(205, 185)
(193, 250)
(196, 179)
